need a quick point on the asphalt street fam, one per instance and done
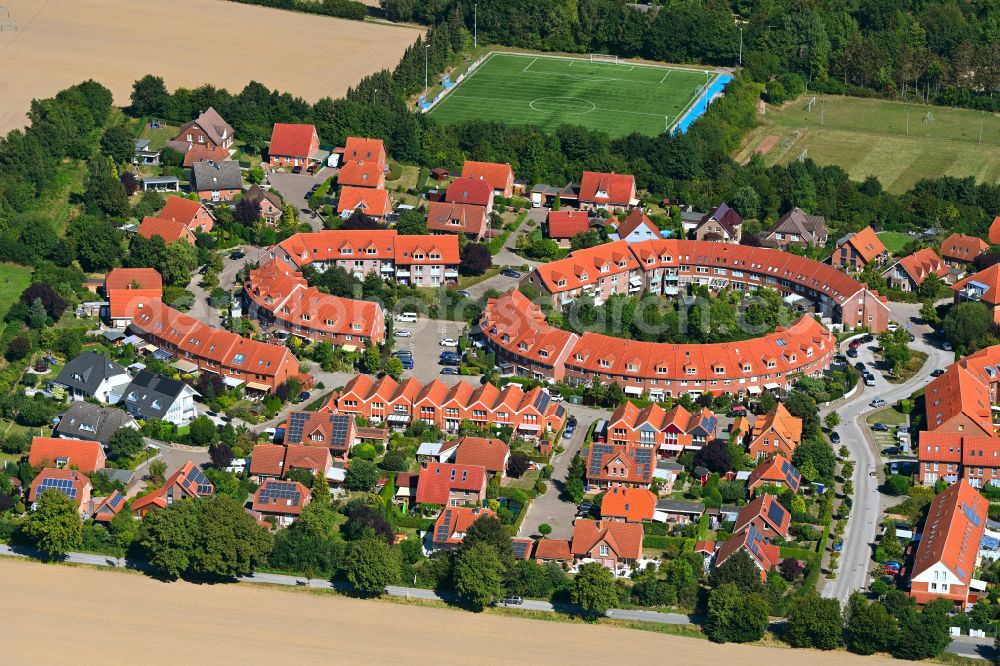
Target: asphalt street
(866, 513)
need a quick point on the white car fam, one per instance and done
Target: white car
(403, 333)
(449, 342)
(556, 397)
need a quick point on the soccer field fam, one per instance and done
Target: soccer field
(618, 99)
(871, 137)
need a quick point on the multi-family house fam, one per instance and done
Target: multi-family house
(670, 432)
(777, 432)
(607, 191)
(982, 287)
(636, 228)
(855, 251)
(722, 225)
(615, 545)
(796, 228)
(121, 285)
(94, 376)
(449, 485)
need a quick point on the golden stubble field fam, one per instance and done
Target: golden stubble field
(76, 615)
(188, 42)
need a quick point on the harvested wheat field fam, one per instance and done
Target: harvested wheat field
(188, 42)
(75, 615)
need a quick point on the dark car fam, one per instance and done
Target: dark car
(571, 421)
(868, 337)
(860, 365)
(407, 362)
(304, 396)
(854, 344)
(296, 169)
(880, 427)
(937, 372)
(450, 360)
(237, 255)
(510, 272)
(835, 437)
(447, 370)
(840, 358)
(852, 353)
(913, 338)
(311, 168)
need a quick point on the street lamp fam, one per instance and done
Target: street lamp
(426, 46)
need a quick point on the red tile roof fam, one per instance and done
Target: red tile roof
(624, 539)
(765, 554)
(922, 263)
(453, 522)
(486, 452)
(78, 479)
(776, 470)
(412, 250)
(169, 230)
(995, 231)
(436, 481)
(287, 505)
(182, 479)
(293, 140)
(267, 460)
(958, 393)
(203, 153)
(779, 420)
(365, 150)
(457, 218)
(133, 278)
(85, 456)
(373, 202)
(553, 549)
(187, 212)
(767, 510)
(497, 175)
(632, 469)
(635, 220)
(520, 325)
(634, 505)
(952, 532)
(990, 277)
(361, 174)
(568, 223)
(470, 191)
(109, 507)
(617, 189)
(960, 247)
(867, 244)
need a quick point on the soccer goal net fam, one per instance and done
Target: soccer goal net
(598, 57)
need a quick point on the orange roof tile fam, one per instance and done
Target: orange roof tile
(553, 549)
(952, 532)
(457, 218)
(497, 175)
(963, 248)
(767, 509)
(867, 244)
(635, 220)
(486, 452)
(361, 174)
(85, 456)
(922, 263)
(958, 392)
(989, 278)
(437, 480)
(568, 223)
(625, 539)
(292, 140)
(365, 150)
(78, 479)
(203, 153)
(635, 505)
(466, 190)
(617, 189)
(427, 250)
(995, 231)
(169, 230)
(453, 522)
(372, 202)
(265, 501)
(183, 210)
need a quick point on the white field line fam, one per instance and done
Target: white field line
(665, 76)
(529, 65)
(683, 114)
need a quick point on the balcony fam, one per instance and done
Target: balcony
(403, 273)
(451, 273)
(386, 268)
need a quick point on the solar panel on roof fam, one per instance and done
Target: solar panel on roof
(444, 529)
(115, 500)
(340, 424)
(542, 401)
(296, 422)
(776, 513)
(520, 548)
(961, 573)
(597, 457)
(198, 478)
(65, 486)
(971, 515)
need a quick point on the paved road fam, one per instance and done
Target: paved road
(506, 256)
(550, 508)
(295, 188)
(859, 537)
(203, 308)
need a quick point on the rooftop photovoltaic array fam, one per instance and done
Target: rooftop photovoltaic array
(444, 529)
(198, 479)
(116, 500)
(792, 475)
(973, 517)
(341, 425)
(597, 458)
(776, 513)
(280, 490)
(643, 459)
(296, 422)
(542, 401)
(65, 486)
(520, 549)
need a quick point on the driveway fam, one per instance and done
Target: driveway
(295, 188)
(425, 345)
(203, 308)
(550, 508)
(506, 256)
(863, 521)
(173, 456)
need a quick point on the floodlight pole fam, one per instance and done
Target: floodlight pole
(426, 46)
(475, 26)
(741, 46)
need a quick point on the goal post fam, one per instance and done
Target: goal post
(600, 57)
(811, 104)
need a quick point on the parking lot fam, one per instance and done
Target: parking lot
(425, 345)
(296, 188)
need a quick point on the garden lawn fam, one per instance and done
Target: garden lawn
(894, 241)
(14, 279)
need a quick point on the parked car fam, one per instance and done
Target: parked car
(296, 169)
(449, 370)
(835, 437)
(407, 317)
(880, 427)
(878, 402)
(860, 365)
(513, 600)
(568, 432)
(237, 255)
(890, 451)
(937, 372)
(304, 396)
(464, 292)
(852, 353)
(450, 360)
(571, 421)
(839, 358)
(403, 333)
(839, 546)
(869, 379)
(866, 338)
(449, 342)
(402, 352)
(510, 272)
(557, 397)
(854, 344)
(407, 362)
(946, 346)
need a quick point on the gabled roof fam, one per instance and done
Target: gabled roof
(267, 460)
(811, 228)
(920, 264)
(203, 153)
(373, 202)
(151, 394)
(474, 191)
(365, 150)
(635, 220)
(960, 247)
(212, 175)
(782, 422)
(191, 481)
(87, 371)
(487, 452)
(766, 509)
(624, 539)
(958, 392)
(765, 554)
(775, 470)
(637, 462)
(497, 175)
(87, 421)
(437, 480)
(133, 278)
(67, 481)
(866, 243)
(727, 218)
(607, 188)
(183, 210)
(427, 250)
(553, 549)
(109, 507)
(85, 456)
(291, 140)
(453, 522)
(212, 122)
(952, 532)
(568, 223)
(635, 505)
(987, 281)
(258, 194)
(169, 230)
(360, 174)
(282, 497)
(456, 218)
(994, 235)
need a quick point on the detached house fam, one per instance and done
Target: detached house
(628, 505)
(269, 202)
(451, 485)
(487, 452)
(856, 250)
(372, 202)
(610, 465)
(294, 145)
(458, 218)
(93, 375)
(562, 225)
(614, 545)
(361, 174)
(799, 229)
(959, 250)
(499, 176)
(607, 191)
(69, 482)
(452, 524)
(471, 191)
(188, 482)
(271, 461)
(208, 130)
(949, 548)
(87, 457)
(766, 515)
(152, 396)
(92, 423)
(636, 228)
(722, 225)
(281, 500)
(760, 549)
(910, 272)
(335, 432)
(122, 285)
(775, 432)
(216, 181)
(775, 471)
(169, 230)
(193, 215)
(365, 150)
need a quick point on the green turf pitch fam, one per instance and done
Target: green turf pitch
(618, 99)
